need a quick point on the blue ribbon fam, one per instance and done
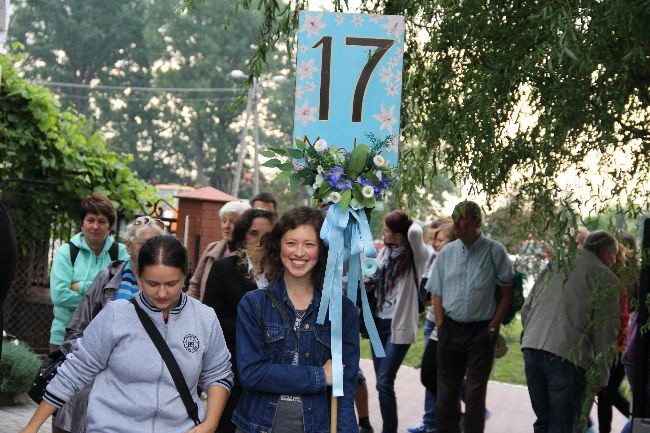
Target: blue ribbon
(347, 233)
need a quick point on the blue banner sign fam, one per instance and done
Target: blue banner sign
(349, 78)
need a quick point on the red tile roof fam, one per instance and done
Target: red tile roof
(207, 193)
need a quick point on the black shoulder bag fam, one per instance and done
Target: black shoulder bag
(167, 356)
(45, 374)
(423, 294)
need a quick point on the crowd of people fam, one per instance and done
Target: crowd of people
(243, 335)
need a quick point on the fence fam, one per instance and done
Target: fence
(43, 222)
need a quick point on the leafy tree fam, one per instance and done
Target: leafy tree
(177, 136)
(508, 96)
(42, 143)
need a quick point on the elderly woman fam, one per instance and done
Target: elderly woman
(117, 281)
(229, 280)
(77, 263)
(216, 250)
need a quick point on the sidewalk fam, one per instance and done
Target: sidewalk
(509, 404)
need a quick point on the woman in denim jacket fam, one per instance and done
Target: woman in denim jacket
(283, 355)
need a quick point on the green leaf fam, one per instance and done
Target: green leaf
(272, 163)
(286, 166)
(300, 144)
(358, 160)
(294, 153)
(267, 153)
(346, 196)
(282, 177)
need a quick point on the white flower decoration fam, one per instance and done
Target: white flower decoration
(320, 169)
(379, 160)
(378, 174)
(335, 197)
(368, 191)
(354, 204)
(317, 182)
(320, 146)
(313, 24)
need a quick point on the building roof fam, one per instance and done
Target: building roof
(207, 193)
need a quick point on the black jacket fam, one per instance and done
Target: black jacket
(228, 281)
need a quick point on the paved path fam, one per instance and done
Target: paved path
(510, 406)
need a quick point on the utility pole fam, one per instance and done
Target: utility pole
(242, 146)
(256, 137)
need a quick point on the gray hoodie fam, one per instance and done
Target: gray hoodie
(133, 390)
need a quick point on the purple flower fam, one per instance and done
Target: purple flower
(335, 173)
(384, 182)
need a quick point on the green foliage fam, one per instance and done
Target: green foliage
(356, 179)
(18, 367)
(179, 136)
(508, 96)
(41, 142)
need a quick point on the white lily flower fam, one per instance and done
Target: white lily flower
(335, 197)
(368, 191)
(379, 161)
(320, 146)
(319, 179)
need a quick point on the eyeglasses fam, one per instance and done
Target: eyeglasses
(146, 220)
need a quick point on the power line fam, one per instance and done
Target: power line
(140, 89)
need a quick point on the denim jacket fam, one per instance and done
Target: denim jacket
(265, 348)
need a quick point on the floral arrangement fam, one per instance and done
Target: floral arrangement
(355, 179)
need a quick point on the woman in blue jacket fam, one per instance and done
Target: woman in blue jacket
(283, 355)
(77, 263)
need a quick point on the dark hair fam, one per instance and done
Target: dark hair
(244, 223)
(599, 242)
(97, 204)
(467, 208)
(266, 197)
(398, 222)
(267, 256)
(163, 250)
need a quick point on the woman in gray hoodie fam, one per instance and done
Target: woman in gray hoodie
(133, 391)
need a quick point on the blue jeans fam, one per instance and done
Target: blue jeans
(429, 417)
(557, 390)
(385, 372)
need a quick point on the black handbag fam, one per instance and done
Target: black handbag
(168, 357)
(45, 374)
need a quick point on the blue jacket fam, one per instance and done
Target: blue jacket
(265, 346)
(63, 274)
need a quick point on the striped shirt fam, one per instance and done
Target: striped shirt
(128, 285)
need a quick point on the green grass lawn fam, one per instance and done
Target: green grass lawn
(509, 368)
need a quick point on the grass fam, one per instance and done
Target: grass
(508, 369)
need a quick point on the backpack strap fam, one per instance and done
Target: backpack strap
(114, 251)
(168, 357)
(74, 252)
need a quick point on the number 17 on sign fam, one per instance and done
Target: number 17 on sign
(349, 78)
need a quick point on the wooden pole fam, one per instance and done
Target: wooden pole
(334, 414)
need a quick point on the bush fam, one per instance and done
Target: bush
(18, 368)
